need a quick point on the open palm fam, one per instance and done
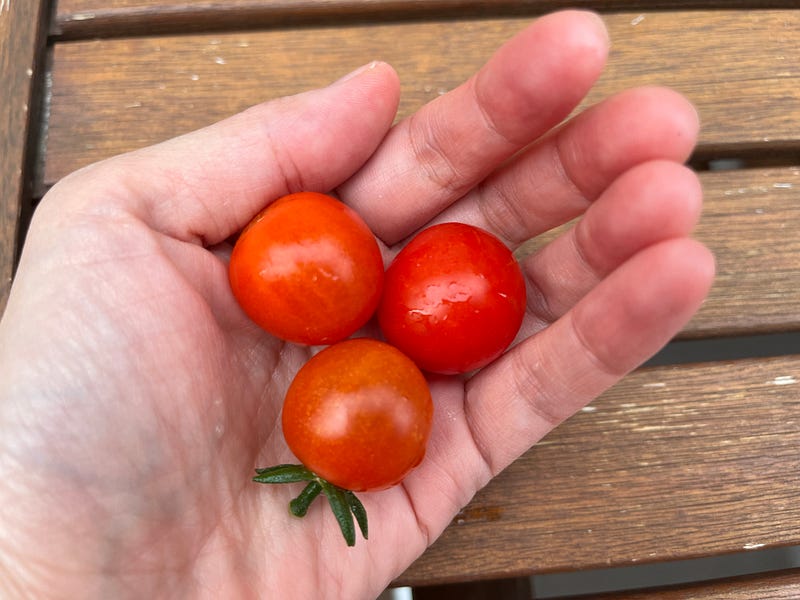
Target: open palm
(136, 397)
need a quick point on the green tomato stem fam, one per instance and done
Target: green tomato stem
(341, 510)
(359, 512)
(283, 474)
(299, 506)
(344, 503)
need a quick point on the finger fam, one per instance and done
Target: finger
(432, 158)
(557, 178)
(615, 328)
(650, 203)
(206, 185)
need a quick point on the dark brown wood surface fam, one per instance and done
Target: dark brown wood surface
(751, 221)
(110, 96)
(21, 36)
(82, 19)
(672, 463)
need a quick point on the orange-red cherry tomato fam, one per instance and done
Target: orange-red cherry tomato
(358, 414)
(307, 269)
(453, 300)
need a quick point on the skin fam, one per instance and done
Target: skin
(136, 397)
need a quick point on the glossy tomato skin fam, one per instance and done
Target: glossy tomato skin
(453, 300)
(307, 269)
(358, 414)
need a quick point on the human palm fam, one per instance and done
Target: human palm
(136, 397)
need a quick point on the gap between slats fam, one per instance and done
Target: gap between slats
(756, 572)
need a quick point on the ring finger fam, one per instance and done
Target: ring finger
(651, 203)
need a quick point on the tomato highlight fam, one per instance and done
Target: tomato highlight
(453, 299)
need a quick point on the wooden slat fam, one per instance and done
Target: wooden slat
(21, 36)
(750, 222)
(114, 95)
(84, 19)
(68, 7)
(782, 585)
(672, 463)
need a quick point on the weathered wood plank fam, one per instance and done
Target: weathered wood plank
(672, 463)
(750, 221)
(22, 29)
(114, 95)
(85, 19)
(781, 585)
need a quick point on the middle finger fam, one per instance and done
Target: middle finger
(558, 177)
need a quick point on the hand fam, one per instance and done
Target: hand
(136, 398)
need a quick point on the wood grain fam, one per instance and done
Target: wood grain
(672, 463)
(782, 585)
(750, 222)
(85, 19)
(21, 41)
(115, 95)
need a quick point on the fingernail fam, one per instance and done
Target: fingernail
(601, 26)
(352, 75)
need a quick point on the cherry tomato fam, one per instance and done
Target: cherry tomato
(358, 414)
(307, 269)
(453, 300)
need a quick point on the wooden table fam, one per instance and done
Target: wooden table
(677, 461)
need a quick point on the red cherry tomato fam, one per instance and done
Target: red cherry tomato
(358, 414)
(307, 269)
(453, 299)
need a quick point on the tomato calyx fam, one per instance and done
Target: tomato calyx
(344, 503)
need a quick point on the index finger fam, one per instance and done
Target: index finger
(434, 157)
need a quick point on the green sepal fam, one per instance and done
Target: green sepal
(344, 503)
(283, 474)
(341, 510)
(358, 510)
(299, 506)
